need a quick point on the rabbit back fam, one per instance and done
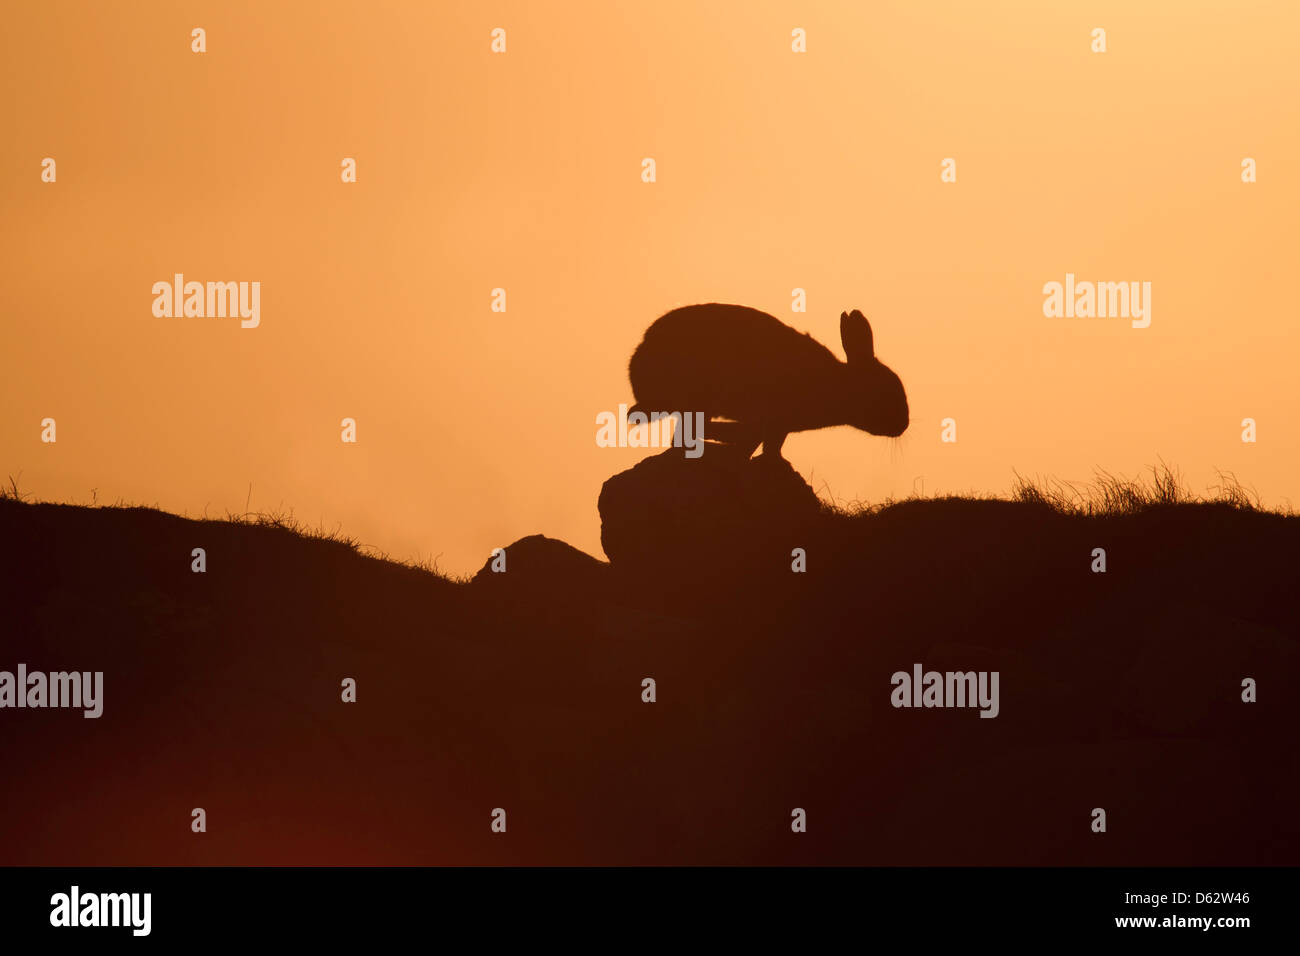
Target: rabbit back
(729, 361)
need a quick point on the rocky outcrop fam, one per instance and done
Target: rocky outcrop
(541, 563)
(671, 513)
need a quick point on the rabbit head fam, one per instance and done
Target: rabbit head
(878, 402)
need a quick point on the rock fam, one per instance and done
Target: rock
(543, 565)
(670, 513)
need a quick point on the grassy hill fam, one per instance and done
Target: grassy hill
(522, 690)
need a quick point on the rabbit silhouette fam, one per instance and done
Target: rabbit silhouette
(763, 378)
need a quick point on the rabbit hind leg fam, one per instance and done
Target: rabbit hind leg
(772, 443)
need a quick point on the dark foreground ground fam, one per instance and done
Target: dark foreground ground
(523, 691)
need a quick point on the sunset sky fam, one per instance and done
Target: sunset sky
(522, 170)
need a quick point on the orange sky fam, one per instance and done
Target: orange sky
(522, 170)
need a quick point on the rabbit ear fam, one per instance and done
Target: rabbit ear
(855, 336)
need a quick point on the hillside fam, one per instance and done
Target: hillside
(522, 690)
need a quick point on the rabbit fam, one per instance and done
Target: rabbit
(763, 377)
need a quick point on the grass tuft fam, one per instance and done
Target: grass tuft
(1109, 494)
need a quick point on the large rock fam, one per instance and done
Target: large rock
(715, 513)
